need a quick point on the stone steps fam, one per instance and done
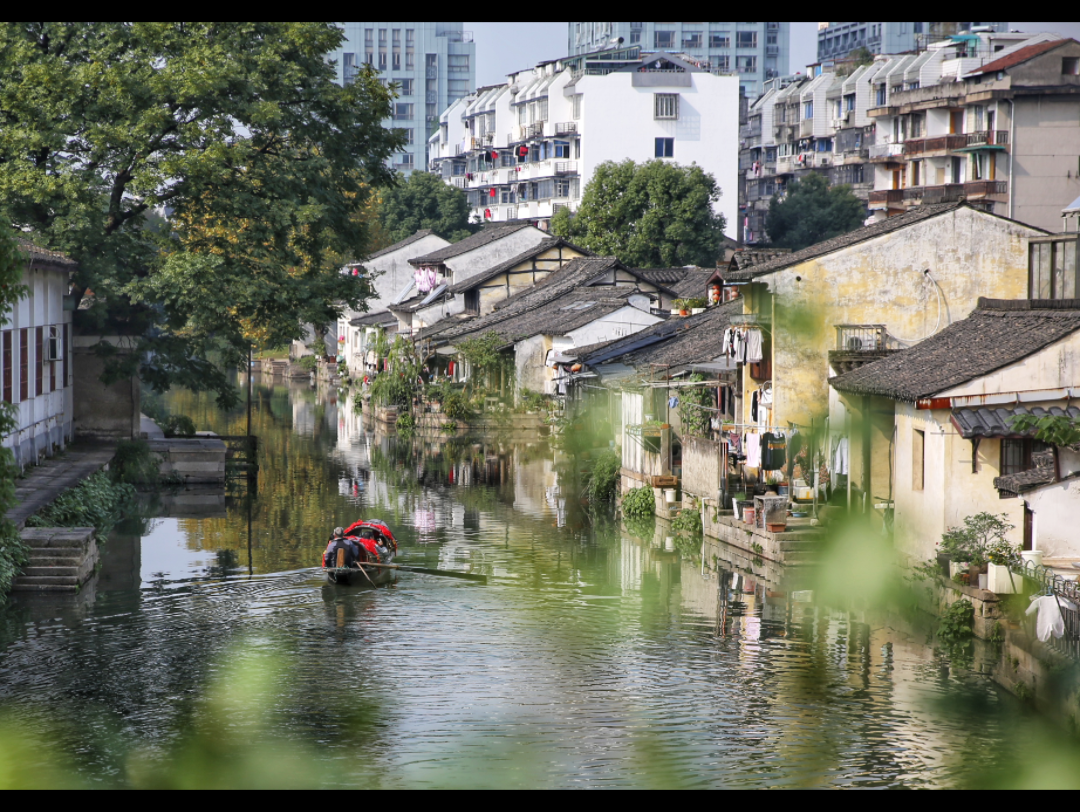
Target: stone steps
(61, 559)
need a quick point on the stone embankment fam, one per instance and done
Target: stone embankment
(61, 559)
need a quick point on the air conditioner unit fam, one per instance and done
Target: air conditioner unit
(854, 344)
(51, 349)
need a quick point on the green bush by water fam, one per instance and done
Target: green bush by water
(178, 425)
(603, 477)
(639, 503)
(97, 502)
(134, 464)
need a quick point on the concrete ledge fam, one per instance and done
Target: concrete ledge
(797, 545)
(61, 559)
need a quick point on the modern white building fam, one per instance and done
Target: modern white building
(526, 148)
(35, 350)
(755, 52)
(837, 40)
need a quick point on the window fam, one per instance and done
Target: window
(1070, 66)
(1016, 454)
(635, 33)
(39, 364)
(382, 60)
(692, 39)
(458, 63)
(67, 352)
(880, 99)
(410, 60)
(6, 360)
(665, 105)
(396, 38)
(723, 62)
(746, 64)
(1053, 268)
(408, 134)
(382, 37)
(369, 34)
(54, 353)
(665, 148)
(24, 364)
(542, 110)
(396, 60)
(410, 37)
(918, 459)
(575, 102)
(808, 109)
(562, 149)
(719, 39)
(407, 86)
(746, 39)
(664, 39)
(403, 111)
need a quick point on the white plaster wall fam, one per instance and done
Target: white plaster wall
(485, 257)
(529, 357)
(617, 123)
(623, 322)
(392, 272)
(1056, 508)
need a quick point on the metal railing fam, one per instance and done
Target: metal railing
(987, 138)
(940, 143)
(1068, 596)
(566, 128)
(566, 167)
(886, 151)
(886, 196)
(863, 338)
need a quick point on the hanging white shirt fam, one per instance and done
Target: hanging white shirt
(840, 463)
(1049, 620)
(753, 346)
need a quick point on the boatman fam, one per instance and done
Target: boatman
(338, 541)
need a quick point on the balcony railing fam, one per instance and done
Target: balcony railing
(566, 167)
(566, 128)
(940, 143)
(986, 188)
(864, 338)
(885, 151)
(535, 130)
(987, 138)
(886, 197)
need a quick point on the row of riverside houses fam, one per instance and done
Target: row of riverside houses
(50, 374)
(986, 116)
(523, 149)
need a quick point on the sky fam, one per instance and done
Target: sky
(502, 48)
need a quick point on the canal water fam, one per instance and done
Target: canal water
(590, 659)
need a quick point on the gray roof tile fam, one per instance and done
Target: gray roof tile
(484, 236)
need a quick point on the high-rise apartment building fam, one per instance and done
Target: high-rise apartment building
(433, 64)
(837, 40)
(754, 52)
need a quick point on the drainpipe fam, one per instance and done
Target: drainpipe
(1012, 154)
(867, 436)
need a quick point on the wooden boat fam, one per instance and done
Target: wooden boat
(366, 531)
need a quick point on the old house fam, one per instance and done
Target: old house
(35, 343)
(882, 287)
(426, 298)
(930, 428)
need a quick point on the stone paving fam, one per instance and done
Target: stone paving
(44, 482)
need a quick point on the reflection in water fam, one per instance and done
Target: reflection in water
(592, 658)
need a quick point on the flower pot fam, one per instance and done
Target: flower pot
(982, 580)
(1000, 581)
(669, 495)
(748, 515)
(694, 311)
(684, 312)
(957, 567)
(776, 528)
(1033, 556)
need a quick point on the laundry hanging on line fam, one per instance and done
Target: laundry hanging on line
(743, 344)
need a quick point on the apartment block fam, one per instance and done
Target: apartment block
(755, 52)
(432, 64)
(838, 40)
(526, 148)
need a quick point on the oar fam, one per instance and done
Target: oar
(468, 576)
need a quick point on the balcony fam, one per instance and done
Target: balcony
(888, 153)
(859, 344)
(535, 130)
(566, 128)
(883, 198)
(566, 168)
(806, 128)
(987, 190)
(940, 144)
(986, 139)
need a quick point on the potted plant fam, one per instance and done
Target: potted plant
(696, 304)
(972, 543)
(682, 306)
(773, 484)
(1001, 556)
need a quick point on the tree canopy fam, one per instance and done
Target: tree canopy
(812, 212)
(650, 215)
(425, 202)
(237, 134)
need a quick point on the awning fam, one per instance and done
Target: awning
(991, 422)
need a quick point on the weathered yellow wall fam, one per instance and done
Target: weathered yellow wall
(881, 281)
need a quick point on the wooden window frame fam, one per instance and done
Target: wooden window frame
(39, 365)
(24, 364)
(7, 360)
(918, 460)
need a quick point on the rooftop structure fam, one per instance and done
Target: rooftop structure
(838, 40)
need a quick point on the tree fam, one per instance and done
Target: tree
(812, 212)
(424, 201)
(238, 133)
(649, 215)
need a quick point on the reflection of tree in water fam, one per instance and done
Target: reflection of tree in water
(225, 562)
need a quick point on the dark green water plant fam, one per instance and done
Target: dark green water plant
(98, 501)
(639, 503)
(603, 477)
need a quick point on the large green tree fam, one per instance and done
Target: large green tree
(237, 133)
(811, 212)
(424, 201)
(650, 215)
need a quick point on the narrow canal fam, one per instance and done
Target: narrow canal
(590, 659)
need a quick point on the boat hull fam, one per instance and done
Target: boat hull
(361, 576)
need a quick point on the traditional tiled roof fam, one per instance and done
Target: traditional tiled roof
(678, 342)
(996, 422)
(663, 276)
(1019, 56)
(484, 236)
(749, 257)
(442, 326)
(372, 319)
(861, 234)
(567, 312)
(693, 284)
(996, 334)
(524, 256)
(38, 254)
(405, 243)
(1041, 474)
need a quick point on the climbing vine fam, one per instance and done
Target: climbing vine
(491, 367)
(693, 404)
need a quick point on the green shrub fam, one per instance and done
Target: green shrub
(532, 401)
(178, 425)
(134, 463)
(688, 532)
(603, 477)
(456, 406)
(405, 425)
(642, 528)
(639, 503)
(981, 536)
(957, 628)
(13, 553)
(97, 501)
(309, 363)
